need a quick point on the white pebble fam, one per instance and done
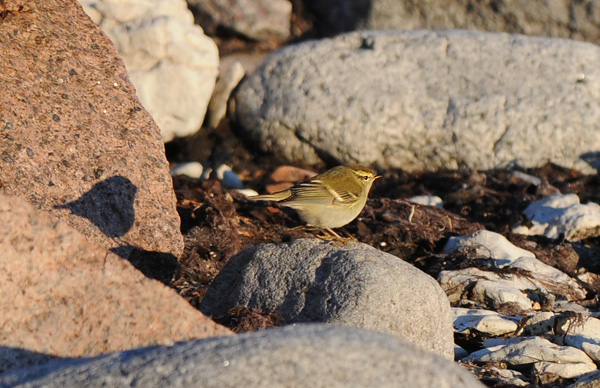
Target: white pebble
(247, 192)
(190, 169)
(428, 200)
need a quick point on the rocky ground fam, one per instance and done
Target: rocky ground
(88, 208)
(218, 222)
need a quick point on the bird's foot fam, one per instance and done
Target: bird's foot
(330, 234)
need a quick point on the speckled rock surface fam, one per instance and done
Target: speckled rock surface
(172, 64)
(294, 356)
(426, 100)
(62, 296)
(74, 139)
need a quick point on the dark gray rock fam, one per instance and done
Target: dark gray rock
(296, 356)
(353, 284)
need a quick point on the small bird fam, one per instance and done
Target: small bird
(328, 200)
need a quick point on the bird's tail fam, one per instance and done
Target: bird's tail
(280, 196)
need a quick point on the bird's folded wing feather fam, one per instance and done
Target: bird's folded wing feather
(314, 191)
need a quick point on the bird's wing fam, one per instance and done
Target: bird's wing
(314, 191)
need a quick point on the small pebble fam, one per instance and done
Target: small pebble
(459, 353)
(428, 200)
(247, 192)
(192, 170)
(526, 178)
(228, 178)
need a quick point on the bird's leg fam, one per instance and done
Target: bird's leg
(330, 233)
(349, 236)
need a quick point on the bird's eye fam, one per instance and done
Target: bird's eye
(366, 177)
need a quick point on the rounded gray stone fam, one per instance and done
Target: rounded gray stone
(352, 284)
(427, 99)
(295, 356)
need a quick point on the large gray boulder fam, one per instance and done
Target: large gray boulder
(298, 356)
(352, 284)
(557, 18)
(427, 99)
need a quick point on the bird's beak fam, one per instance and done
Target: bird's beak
(377, 177)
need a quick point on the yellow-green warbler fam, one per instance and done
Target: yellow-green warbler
(328, 200)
